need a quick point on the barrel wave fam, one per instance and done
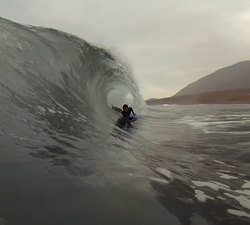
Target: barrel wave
(50, 72)
(65, 159)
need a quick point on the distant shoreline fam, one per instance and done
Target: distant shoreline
(235, 96)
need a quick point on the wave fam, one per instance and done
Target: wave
(60, 78)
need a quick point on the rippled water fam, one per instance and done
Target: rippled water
(203, 153)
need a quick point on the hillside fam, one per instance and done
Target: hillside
(236, 96)
(236, 76)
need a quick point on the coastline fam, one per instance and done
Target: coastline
(235, 96)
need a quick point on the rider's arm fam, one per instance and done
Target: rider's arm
(132, 111)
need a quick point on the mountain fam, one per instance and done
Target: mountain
(235, 96)
(236, 76)
(229, 85)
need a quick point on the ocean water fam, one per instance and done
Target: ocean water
(64, 158)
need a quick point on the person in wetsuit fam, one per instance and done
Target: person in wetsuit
(128, 113)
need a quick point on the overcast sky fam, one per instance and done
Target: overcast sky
(168, 43)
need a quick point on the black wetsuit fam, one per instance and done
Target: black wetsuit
(127, 114)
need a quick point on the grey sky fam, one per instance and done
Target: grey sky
(168, 43)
